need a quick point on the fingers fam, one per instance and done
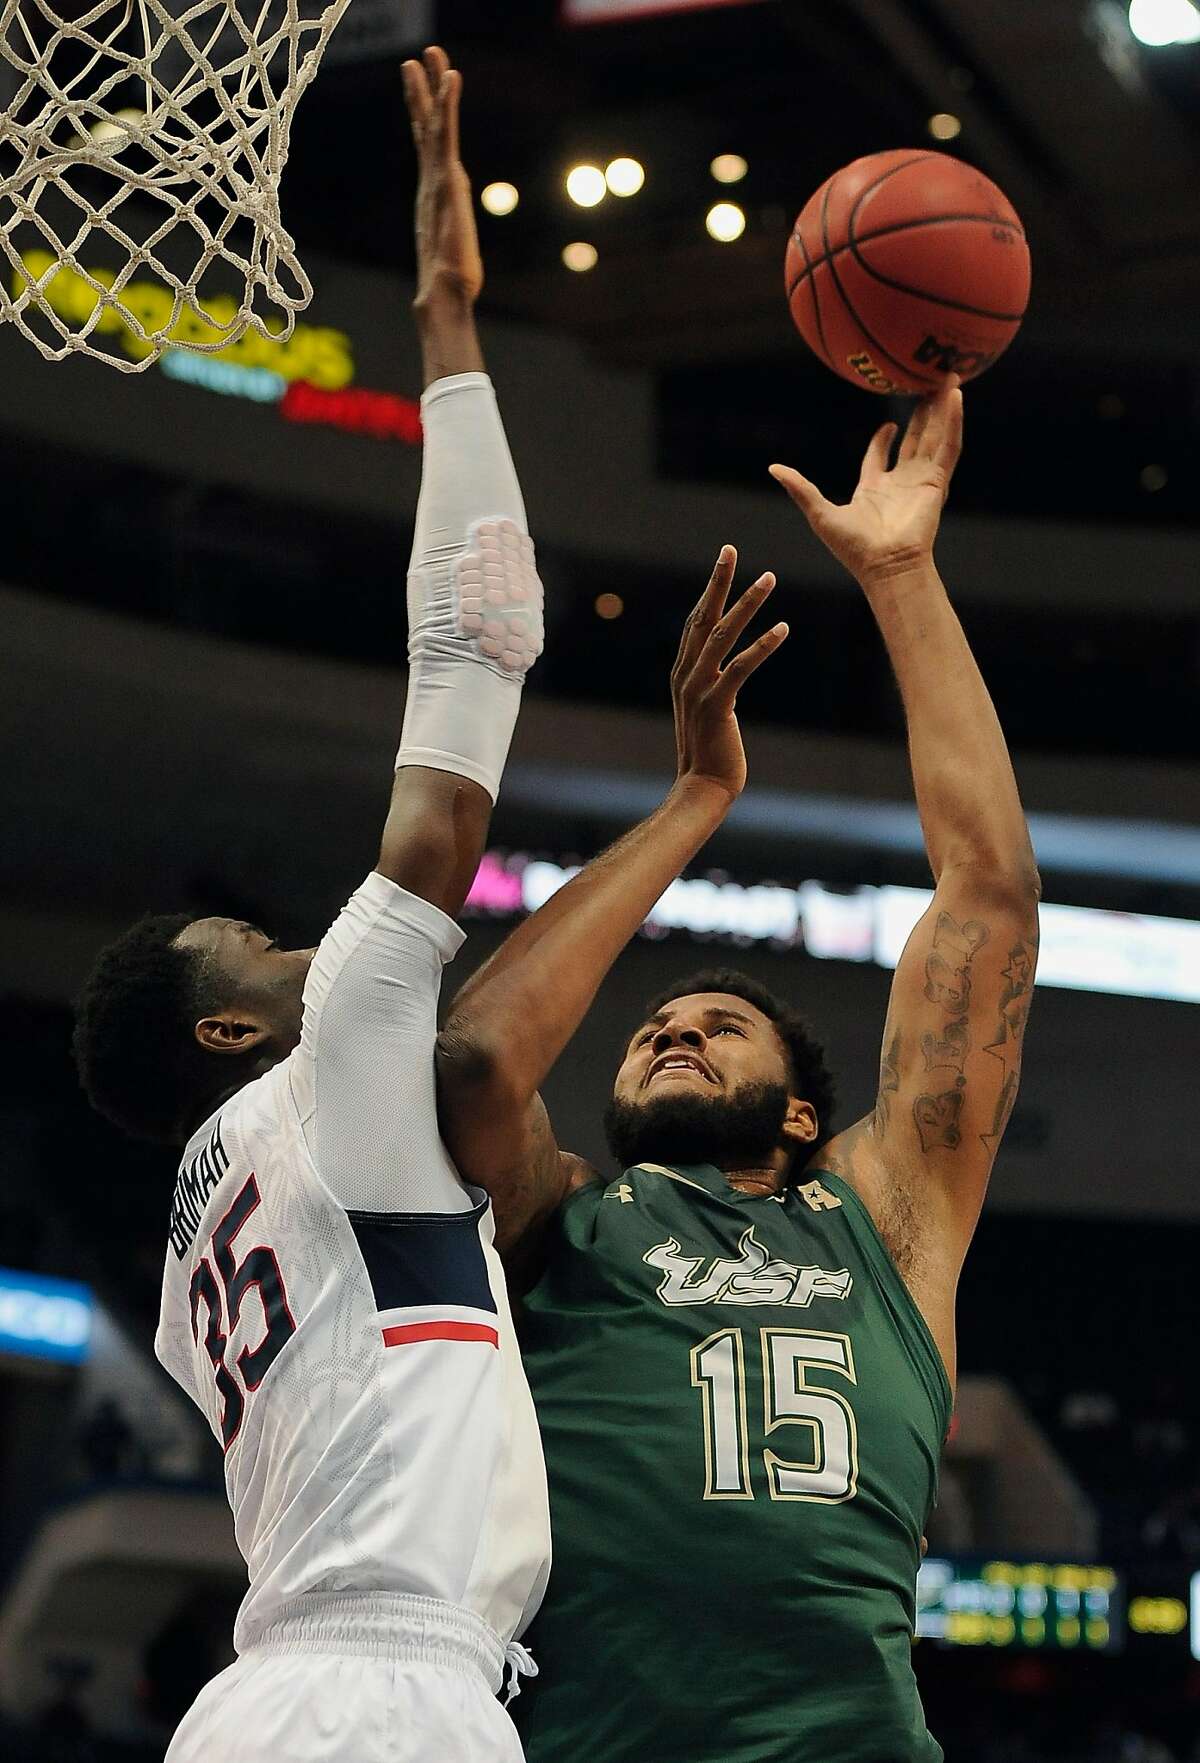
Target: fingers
(875, 459)
(418, 98)
(728, 629)
(438, 74)
(711, 603)
(446, 82)
(452, 94)
(734, 677)
(935, 422)
(431, 89)
(806, 496)
(437, 65)
(950, 444)
(914, 434)
(708, 607)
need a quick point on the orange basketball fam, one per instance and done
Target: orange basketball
(907, 266)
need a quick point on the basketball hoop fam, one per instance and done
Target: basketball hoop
(155, 133)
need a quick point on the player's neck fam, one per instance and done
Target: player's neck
(760, 1180)
(204, 1110)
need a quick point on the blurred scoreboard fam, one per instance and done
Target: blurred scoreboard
(1059, 1606)
(1163, 1614)
(1036, 1605)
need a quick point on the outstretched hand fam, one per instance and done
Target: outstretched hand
(703, 691)
(448, 259)
(891, 521)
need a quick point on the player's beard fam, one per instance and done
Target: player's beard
(744, 1127)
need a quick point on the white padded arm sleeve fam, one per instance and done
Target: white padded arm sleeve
(362, 1077)
(474, 598)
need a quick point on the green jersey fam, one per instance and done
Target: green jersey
(742, 1411)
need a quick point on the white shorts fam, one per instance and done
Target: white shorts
(357, 1680)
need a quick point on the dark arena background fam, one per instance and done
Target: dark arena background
(201, 673)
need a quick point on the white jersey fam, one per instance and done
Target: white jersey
(333, 1303)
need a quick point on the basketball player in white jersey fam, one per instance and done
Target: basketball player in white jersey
(332, 1300)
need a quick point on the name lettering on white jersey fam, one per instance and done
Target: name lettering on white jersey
(753, 1277)
(195, 1183)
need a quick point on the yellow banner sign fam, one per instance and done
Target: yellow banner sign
(313, 353)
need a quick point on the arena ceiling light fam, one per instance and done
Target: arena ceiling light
(586, 185)
(580, 256)
(729, 168)
(499, 198)
(1159, 23)
(725, 222)
(624, 176)
(944, 126)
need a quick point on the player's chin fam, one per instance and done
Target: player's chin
(671, 1121)
(680, 1123)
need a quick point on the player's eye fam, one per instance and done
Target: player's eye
(643, 1039)
(727, 1028)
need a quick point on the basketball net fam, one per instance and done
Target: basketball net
(158, 138)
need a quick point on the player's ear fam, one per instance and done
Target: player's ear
(800, 1121)
(230, 1032)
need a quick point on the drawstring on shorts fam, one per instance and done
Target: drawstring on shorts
(519, 1662)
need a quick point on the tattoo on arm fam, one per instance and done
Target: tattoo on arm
(948, 982)
(889, 1082)
(950, 1049)
(1016, 995)
(937, 1118)
(948, 965)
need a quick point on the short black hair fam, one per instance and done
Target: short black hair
(135, 1050)
(812, 1081)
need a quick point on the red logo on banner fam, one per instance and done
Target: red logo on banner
(383, 414)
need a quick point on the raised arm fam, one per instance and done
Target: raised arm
(952, 1042)
(362, 1077)
(449, 266)
(514, 1017)
(464, 687)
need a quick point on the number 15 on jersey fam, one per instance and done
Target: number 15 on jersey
(798, 1368)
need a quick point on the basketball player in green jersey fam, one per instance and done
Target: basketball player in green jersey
(742, 1348)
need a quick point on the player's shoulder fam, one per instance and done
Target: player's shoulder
(577, 1174)
(593, 1191)
(856, 1157)
(573, 1220)
(582, 1186)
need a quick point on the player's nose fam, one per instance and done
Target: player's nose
(678, 1034)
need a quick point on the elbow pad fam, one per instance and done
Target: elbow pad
(474, 596)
